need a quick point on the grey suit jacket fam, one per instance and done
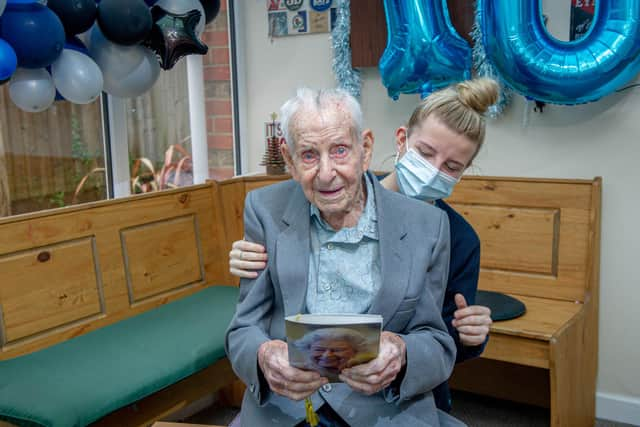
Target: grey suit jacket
(414, 251)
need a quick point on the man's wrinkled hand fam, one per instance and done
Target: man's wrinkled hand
(284, 379)
(369, 378)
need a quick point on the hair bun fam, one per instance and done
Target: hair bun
(478, 94)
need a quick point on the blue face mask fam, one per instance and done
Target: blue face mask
(419, 179)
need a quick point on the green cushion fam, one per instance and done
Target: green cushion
(83, 379)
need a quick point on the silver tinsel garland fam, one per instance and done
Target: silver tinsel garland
(484, 68)
(346, 77)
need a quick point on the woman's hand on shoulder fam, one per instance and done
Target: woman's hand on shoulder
(471, 322)
(245, 258)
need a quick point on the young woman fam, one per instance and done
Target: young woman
(441, 139)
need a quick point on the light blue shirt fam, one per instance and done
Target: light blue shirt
(344, 265)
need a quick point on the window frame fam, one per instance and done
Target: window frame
(116, 140)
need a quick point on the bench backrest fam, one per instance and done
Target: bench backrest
(539, 237)
(68, 271)
(231, 193)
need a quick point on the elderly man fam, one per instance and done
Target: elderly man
(338, 242)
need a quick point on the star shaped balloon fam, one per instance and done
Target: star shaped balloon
(173, 36)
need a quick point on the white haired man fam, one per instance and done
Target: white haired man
(338, 242)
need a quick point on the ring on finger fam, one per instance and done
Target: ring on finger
(241, 255)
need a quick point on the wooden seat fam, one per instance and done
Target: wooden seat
(540, 243)
(544, 318)
(112, 266)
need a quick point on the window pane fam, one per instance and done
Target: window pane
(49, 159)
(159, 134)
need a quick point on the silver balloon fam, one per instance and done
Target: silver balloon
(116, 61)
(77, 77)
(32, 89)
(184, 6)
(136, 82)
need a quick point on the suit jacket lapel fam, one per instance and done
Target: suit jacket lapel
(292, 253)
(395, 265)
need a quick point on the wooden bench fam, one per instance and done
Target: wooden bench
(78, 271)
(540, 243)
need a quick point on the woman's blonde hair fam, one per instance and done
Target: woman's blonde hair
(460, 107)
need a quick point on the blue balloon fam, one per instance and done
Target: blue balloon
(539, 66)
(8, 60)
(424, 52)
(34, 32)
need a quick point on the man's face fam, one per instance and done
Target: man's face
(333, 355)
(329, 162)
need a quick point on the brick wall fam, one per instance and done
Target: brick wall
(217, 83)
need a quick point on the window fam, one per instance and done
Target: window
(159, 134)
(49, 159)
(61, 157)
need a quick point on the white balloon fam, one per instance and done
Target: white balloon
(115, 60)
(77, 77)
(184, 6)
(3, 4)
(138, 81)
(32, 89)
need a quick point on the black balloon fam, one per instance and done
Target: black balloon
(211, 9)
(125, 22)
(77, 16)
(174, 36)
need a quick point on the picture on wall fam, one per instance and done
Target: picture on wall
(296, 17)
(582, 13)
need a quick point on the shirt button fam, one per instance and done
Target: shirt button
(326, 387)
(329, 246)
(252, 388)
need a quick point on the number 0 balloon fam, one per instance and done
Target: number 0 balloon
(541, 67)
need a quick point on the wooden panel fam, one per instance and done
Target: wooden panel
(515, 239)
(368, 36)
(161, 256)
(105, 220)
(573, 390)
(462, 15)
(549, 193)
(48, 287)
(231, 195)
(557, 211)
(502, 380)
(522, 351)
(252, 185)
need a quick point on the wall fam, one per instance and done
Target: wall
(598, 139)
(217, 77)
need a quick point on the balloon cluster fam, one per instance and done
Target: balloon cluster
(76, 49)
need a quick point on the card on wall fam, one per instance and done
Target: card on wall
(296, 17)
(582, 13)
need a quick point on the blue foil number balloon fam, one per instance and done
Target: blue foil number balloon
(539, 66)
(424, 52)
